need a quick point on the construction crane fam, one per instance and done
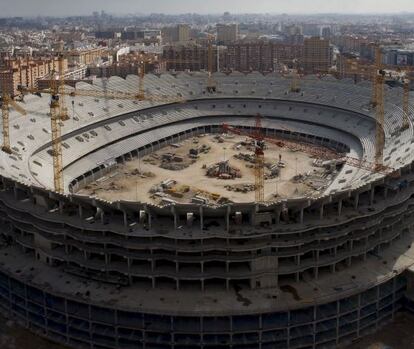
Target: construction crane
(56, 118)
(7, 102)
(58, 111)
(316, 151)
(63, 111)
(378, 97)
(259, 144)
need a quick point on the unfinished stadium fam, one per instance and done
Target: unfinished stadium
(157, 240)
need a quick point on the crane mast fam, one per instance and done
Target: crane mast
(259, 160)
(379, 109)
(5, 115)
(141, 76)
(55, 120)
(6, 102)
(63, 111)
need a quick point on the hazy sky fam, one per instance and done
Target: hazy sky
(76, 7)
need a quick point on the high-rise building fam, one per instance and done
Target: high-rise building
(317, 55)
(292, 29)
(188, 57)
(257, 56)
(180, 33)
(326, 32)
(26, 72)
(311, 29)
(227, 33)
(183, 32)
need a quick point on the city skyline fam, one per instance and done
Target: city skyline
(77, 7)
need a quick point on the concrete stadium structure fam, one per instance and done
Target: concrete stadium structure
(314, 272)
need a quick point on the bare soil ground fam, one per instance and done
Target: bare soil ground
(125, 183)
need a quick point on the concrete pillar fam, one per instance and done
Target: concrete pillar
(125, 219)
(356, 202)
(339, 207)
(238, 218)
(228, 218)
(129, 269)
(372, 196)
(149, 220)
(190, 219)
(174, 216)
(201, 218)
(301, 215)
(277, 216)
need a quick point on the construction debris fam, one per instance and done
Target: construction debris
(223, 170)
(241, 188)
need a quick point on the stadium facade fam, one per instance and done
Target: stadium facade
(311, 272)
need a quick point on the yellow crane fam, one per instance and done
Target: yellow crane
(63, 111)
(7, 102)
(56, 117)
(58, 111)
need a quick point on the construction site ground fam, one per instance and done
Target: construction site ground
(134, 180)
